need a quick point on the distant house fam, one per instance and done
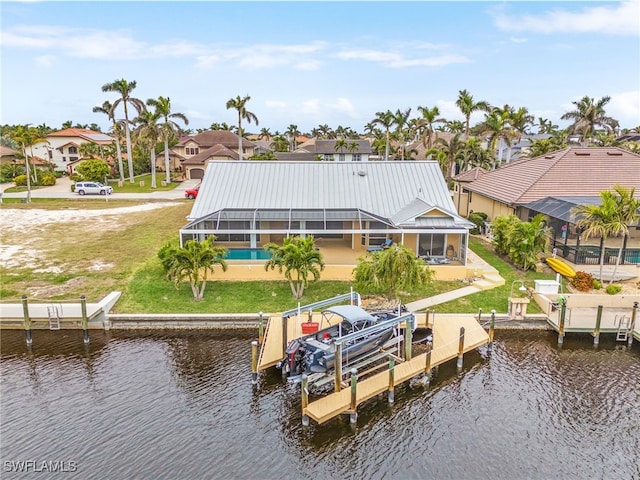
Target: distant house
(460, 181)
(346, 205)
(62, 147)
(552, 184)
(194, 152)
(7, 155)
(325, 150)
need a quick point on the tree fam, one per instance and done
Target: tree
(451, 148)
(612, 217)
(340, 145)
(391, 270)
(496, 127)
(527, 240)
(147, 133)
(279, 143)
(26, 137)
(430, 116)
(265, 133)
(193, 262)
(473, 154)
(467, 106)
(292, 133)
(107, 109)
(587, 115)
(239, 104)
(299, 259)
(401, 119)
(169, 127)
(385, 119)
(94, 170)
(125, 88)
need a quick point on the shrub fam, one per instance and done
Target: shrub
(597, 284)
(47, 179)
(582, 282)
(613, 289)
(478, 219)
(75, 177)
(20, 180)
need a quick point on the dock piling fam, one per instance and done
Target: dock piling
(563, 312)
(407, 339)
(480, 315)
(260, 328)
(460, 349)
(27, 320)
(353, 415)
(338, 368)
(427, 368)
(634, 311)
(254, 362)
(305, 399)
(596, 332)
(391, 391)
(492, 327)
(85, 320)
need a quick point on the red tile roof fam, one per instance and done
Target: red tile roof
(470, 175)
(575, 171)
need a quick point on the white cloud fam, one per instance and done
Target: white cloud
(396, 60)
(618, 19)
(625, 107)
(311, 106)
(343, 106)
(518, 40)
(275, 104)
(45, 61)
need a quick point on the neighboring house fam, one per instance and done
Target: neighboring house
(459, 190)
(62, 147)
(352, 206)
(552, 184)
(194, 152)
(7, 155)
(326, 150)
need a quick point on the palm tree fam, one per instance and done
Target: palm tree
(107, 109)
(340, 145)
(265, 133)
(193, 262)
(546, 126)
(451, 148)
(467, 106)
(430, 116)
(279, 144)
(527, 240)
(454, 126)
(299, 258)
(125, 88)
(147, 133)
(473, 154)
(169, 127)
(390, 271)
(26, 136)
(401, 119)
(587, 115)
(239, 104)
(352, 148)
(385, 119)
(496, 127)
(292, 133)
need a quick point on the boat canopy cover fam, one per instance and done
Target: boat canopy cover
(351, 313)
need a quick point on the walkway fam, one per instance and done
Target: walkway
(485, 277)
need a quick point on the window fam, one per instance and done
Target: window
(239, 235)
(328, 157)
(376, 239)
(64, 159)
(341, 157)
(431, 244)
(50, 153)
(192, 150)
(73, 150)
(73, 159)
(357, 157)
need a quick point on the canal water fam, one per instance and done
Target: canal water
(180, 405)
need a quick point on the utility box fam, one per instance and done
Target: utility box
(518, 308)
(546, 286)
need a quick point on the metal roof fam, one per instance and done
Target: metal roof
(351, 313)
(384, 189)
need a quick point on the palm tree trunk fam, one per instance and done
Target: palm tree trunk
(239, 136)
(386, 148)
(618, 259)
(128, 138)
(166, 160)
(118, 152)
(26, 164)
(601, 256)
(153, 167)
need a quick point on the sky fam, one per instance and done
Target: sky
(315, 63)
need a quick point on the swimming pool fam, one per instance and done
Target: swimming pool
(247, 254)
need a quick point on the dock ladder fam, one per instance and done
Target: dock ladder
(54, 316)
(624, 326)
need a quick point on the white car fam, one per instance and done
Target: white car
(96, 188)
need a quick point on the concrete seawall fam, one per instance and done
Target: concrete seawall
(183, 321)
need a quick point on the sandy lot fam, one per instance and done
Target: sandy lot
(22, 230)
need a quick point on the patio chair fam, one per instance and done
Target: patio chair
(386, 244)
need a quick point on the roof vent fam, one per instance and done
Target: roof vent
(617, 154)
(583, 154)
(362, 173)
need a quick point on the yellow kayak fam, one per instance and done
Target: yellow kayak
(561, 267)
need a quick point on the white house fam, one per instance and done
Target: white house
(62, 147)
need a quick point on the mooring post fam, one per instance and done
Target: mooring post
(337, 381)
(254, 362)
(391, 392)
(633, 323)
(85, 320)
(260, 328)
(492, 327)
(305, 399)
(27, 319)
(284, 341)
(427, 368)
(479, 314)
(460, 349)
(353, 416)
(563, 312)
(596, 332)
(407, 338)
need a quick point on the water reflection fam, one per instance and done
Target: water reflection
(181, 405)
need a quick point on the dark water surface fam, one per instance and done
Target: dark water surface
(180, 405)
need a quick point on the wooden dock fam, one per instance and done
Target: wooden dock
(446, 346)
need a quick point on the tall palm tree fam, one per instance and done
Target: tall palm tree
(239, 104)
(125, 88)
(546, 126)
(430, 116)
(467, 106)
(107, 109)
(26, 137)
(148, 131)
(279, 143)
(299, 259)
(352, 148)
(292, 133)
(340, 145)
(385, 119)
(473, 154)
(520, 121)
(401, 120)
(265, 133)
(588, 114)
(451, 148)
(169, 127)
(496, 127)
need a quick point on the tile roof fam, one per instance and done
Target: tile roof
(385, 189)
(574, 171)
(90, 135)
(209, 138)
(214, 151)
(6, 151)
(470, 175)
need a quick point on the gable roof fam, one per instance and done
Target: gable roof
(574, 171)
(329, 147)
(209, 138)
(400, 190)
(86, 134)
(470, 175)
(215, 151)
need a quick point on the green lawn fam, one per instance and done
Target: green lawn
(128, 187)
